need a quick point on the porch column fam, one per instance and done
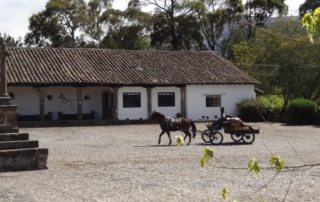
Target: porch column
(149, 101)
(79, 103)
(183, 101)
(42, 104)
(115, 102)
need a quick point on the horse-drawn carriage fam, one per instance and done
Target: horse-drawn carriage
(233, 126)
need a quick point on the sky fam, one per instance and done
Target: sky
(14, 14)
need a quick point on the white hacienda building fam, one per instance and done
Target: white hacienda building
(80, 84)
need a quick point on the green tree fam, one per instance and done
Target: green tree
(282, 65)
(9, 40)
(218, 21)
(174, 26)
(58, 24)
(258, 12)
(128, 29)
(96, 21)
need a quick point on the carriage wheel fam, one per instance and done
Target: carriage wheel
(207, 136)
(217, 138)
(248, 138)
(236, 137)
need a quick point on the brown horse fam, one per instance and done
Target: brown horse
(174, 124)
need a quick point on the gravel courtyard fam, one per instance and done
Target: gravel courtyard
(123, 163)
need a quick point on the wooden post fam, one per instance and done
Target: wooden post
(79, 103)
(115, 102)
(149, 101)
(183, 101)
(42, 103)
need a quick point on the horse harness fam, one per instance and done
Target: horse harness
(172, 122)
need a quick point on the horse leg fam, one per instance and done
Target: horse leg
(168, 133)
(160, 136)
(189, 134)
(185, 135)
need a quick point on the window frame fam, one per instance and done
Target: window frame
(126, 105)
(169, 94)
(216, 101)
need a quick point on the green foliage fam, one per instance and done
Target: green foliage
(57, 24)
(176, 32)
(254, 166)
(302, 111)
(283, 67)
(207, 156)
(252, 109)
(277, 162)
(275, 103)
(225, 192)
(9, 40)
(257, 12)
(312, 24)
(179, 140)
(308, 6)
(213, 18)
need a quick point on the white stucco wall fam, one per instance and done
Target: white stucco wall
(95, 101)
(167, 111)
(27, 99)
(55, 104)
(230, 96)
(132, 113)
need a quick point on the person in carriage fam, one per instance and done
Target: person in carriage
(234, 122)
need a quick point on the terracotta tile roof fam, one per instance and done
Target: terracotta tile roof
(85, 67)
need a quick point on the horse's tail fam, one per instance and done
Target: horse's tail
(194, 129)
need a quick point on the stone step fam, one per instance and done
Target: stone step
(14, 136)
(19, 144)
(23, 159)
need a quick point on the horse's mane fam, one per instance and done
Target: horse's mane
(158, 114)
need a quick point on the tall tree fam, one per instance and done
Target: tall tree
(128, 29)
(8, 40)
(258, 12)
(218, 21)
(58, 24)
(174, 26)
(97, 16)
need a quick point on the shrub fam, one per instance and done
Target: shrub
(317, 119)
(251, 110)
(301, 111)
(275, 105)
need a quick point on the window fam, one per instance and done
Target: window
(213, 100)
(166, 99)
(131, 100)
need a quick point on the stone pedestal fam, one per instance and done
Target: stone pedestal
(17, 152)
(8, 119)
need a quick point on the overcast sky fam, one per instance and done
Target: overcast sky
(14, 14)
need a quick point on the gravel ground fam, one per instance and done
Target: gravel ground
(123, 163)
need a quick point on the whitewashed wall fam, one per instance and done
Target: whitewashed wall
(95, 101)
(132, 113)
(167, 111)
(230, 96)
(27, 99)
(68, 106)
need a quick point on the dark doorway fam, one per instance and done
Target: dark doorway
(108, 105)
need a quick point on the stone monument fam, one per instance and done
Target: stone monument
(17, 152)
